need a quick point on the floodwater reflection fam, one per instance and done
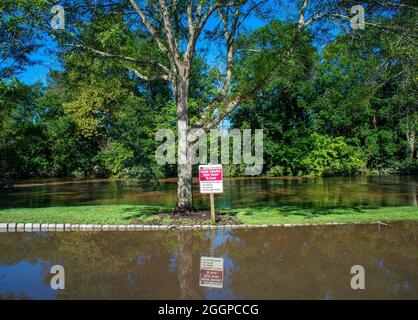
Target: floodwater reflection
(271, 263)
(250, 192)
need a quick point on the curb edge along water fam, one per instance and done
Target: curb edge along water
(37, 227)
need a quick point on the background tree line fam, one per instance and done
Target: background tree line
(346, 107)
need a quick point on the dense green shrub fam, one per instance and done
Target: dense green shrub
(113, 158)
(332, 156)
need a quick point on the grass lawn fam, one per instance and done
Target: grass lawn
(127, 214)
(105, 214)
(296, 215)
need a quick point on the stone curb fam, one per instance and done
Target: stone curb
(36, 227)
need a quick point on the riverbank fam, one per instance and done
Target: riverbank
(138, 214)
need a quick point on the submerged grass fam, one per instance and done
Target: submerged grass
(127, 214)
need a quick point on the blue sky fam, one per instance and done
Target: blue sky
(45, 62)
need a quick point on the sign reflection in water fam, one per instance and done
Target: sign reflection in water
(211, 272)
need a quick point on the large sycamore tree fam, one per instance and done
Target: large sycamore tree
(165, 40)
(178, 29)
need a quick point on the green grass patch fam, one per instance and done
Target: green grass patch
(127, 214)
(297, 215)
(102, 214)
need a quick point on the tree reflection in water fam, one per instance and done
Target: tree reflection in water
(186, 274)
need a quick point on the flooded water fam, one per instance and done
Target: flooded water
(317, 192)
(271, 263)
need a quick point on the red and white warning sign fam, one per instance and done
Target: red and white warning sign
(211, 178)
(211, 272)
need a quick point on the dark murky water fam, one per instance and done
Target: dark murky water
(318, 192)
(272, 263)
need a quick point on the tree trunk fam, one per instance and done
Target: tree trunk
(411, 137)
(184, 204)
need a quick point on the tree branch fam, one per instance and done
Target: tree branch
(382, 27)
(169, 33)
(218, 118)
(125, 58)
(140, 75)
(225, 110)
(150, 28)
(200, 22)
(396, 4)
(230, 50)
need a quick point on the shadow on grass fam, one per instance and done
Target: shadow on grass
(309, 211)
(226, 213)
(142, 213)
